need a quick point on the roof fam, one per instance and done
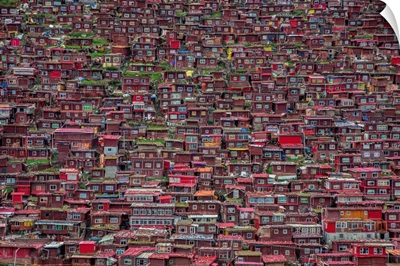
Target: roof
(27, 212)
(204, 193)
(161, 256)
(229, 237)
(54, 245)
(111, 137)
(249, 263)
(144, 255)
(393, 252)
(74, 130)
(274, 258)
(307, 236)
(204, 261)
(133, 252)
(335, 254)
(88, 242)
(21, 245)
(225, 225)
(51, 222)
(248, 253)
(249, 209)
(364, 169)
(347, 263)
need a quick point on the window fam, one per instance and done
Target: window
(341, 225)
(43, 199)
(282, 199)
(114, 220)
(378, 251)
(98, 220)
(364, 251)
(304, 200)
(191, 139)
(345, 160)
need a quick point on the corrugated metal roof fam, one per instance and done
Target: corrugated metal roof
(145, 255)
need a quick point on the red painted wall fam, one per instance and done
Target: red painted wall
(374, 214)
(16, 198)
(26, 189)
(329, 227)
(186, 179)
(87, 247)
(9, 252)
(257, 223)
(15, 42)
(395, 60)
(55, 74)
(290, 139)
